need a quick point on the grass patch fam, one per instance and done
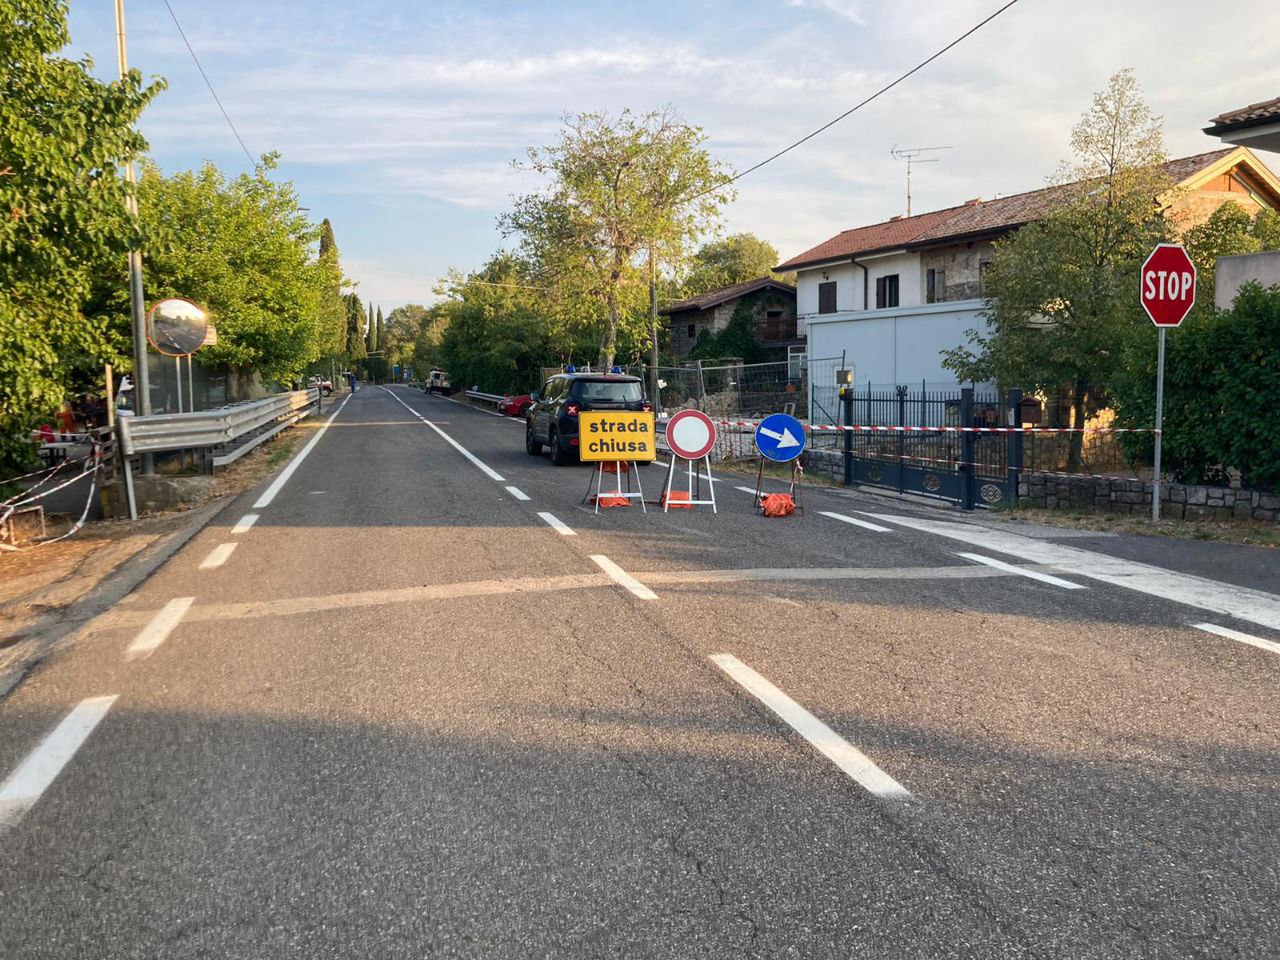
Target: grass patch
(1251, 532)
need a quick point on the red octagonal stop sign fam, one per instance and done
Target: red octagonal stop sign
(1168, 286)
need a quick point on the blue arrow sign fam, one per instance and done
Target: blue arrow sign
(780, 438)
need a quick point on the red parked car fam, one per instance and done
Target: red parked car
(515, 406)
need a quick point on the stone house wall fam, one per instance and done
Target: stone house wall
(963, 265)
(715, 319)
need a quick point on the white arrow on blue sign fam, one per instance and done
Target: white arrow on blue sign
(780, 438)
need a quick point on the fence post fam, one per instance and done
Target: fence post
(846, 404)
(902, 422)
(1014, 454)
(968, 475)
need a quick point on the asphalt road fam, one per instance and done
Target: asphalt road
(405, 714)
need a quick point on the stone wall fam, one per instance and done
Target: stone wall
(1178, 501)
(963, 264)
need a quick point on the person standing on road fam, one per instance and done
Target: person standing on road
(351, 381)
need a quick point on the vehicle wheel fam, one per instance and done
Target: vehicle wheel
(531, 444)
(558, 456)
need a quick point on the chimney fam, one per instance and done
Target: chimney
(974, 202)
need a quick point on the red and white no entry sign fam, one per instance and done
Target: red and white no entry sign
(691, 434)
(1168, 285)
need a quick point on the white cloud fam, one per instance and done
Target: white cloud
(849, 9)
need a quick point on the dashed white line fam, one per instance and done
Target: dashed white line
(1022, 571)
(278, 483)
(865, 524)
(557, 524)
(218, 556)
(484, 467)
(28, 782)
(245, 522)
(852, 761)
(1269, 645)
(517, 493)
(622, 578)
(158, 630)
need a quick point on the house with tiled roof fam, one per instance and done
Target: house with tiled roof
(1256, 126)
(892, 296)
(770, 303)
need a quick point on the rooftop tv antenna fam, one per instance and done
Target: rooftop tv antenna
(912, 155)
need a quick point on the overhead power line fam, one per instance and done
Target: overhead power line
(858, 106)
(207, 83)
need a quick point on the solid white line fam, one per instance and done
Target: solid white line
(622, 578)
(218, 556)
(245, 522)
(1225, 599)
(865, 524)
(517, 493)
(750, 490)
(1021, 571)
(826, 741)
(28, 782)
(278, 483)
(1269, 645)
(484, 467)
(158, 630)
(559, 525)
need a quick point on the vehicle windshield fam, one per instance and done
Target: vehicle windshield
(617, 391)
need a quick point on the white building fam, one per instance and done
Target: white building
(892, 296)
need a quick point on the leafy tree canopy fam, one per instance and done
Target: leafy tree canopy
(735, 259)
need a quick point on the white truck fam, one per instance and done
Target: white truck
(438, 382)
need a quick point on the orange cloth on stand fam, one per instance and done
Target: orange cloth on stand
(677, 498)
(777, 505)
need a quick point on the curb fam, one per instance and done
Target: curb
(110, 590)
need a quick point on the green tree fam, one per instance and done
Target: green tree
(737, 258)
(355, 327)
(244, 249)
(371, 332)
(63, 134)
(1061, 301)
(1229, 231)
(331, 322)
(619, 188)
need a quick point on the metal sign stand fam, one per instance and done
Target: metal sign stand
(797, 474)
(1155, 486)
(694, 485)
(618, 492)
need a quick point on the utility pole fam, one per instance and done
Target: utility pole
(137, 302)
(654, 392)
(912, 155)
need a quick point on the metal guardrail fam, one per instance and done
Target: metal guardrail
(494, 398)
(211, 428)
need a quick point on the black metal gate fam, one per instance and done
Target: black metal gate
(908, 441)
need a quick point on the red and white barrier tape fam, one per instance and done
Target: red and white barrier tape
(866, 428)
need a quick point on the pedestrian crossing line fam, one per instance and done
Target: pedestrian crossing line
(218, 556)
(158, 630)
(558, 525)
(849, 759)
(864, 524)
(1269, 645)
(622, 578)
(245, 522)
(1022, 571)
(27, 784)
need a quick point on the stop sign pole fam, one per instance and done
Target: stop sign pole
(1167, 291)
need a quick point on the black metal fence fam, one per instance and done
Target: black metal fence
(950, 443)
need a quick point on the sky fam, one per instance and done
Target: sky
(400, 121)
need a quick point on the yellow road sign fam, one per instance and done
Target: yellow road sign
(616, 435)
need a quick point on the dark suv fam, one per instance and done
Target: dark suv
(552, 420)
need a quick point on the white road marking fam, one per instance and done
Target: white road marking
(278, 483)
(557, 524)
(1226, 599)
(28, 782)
(1021, 571)
(1269, 645)
(158, 630)
(750, 490)
(826, 741)
(622, 578)
(218, 556)
(484, 467)
(245, 522)
(517, 493)
(865, 524)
